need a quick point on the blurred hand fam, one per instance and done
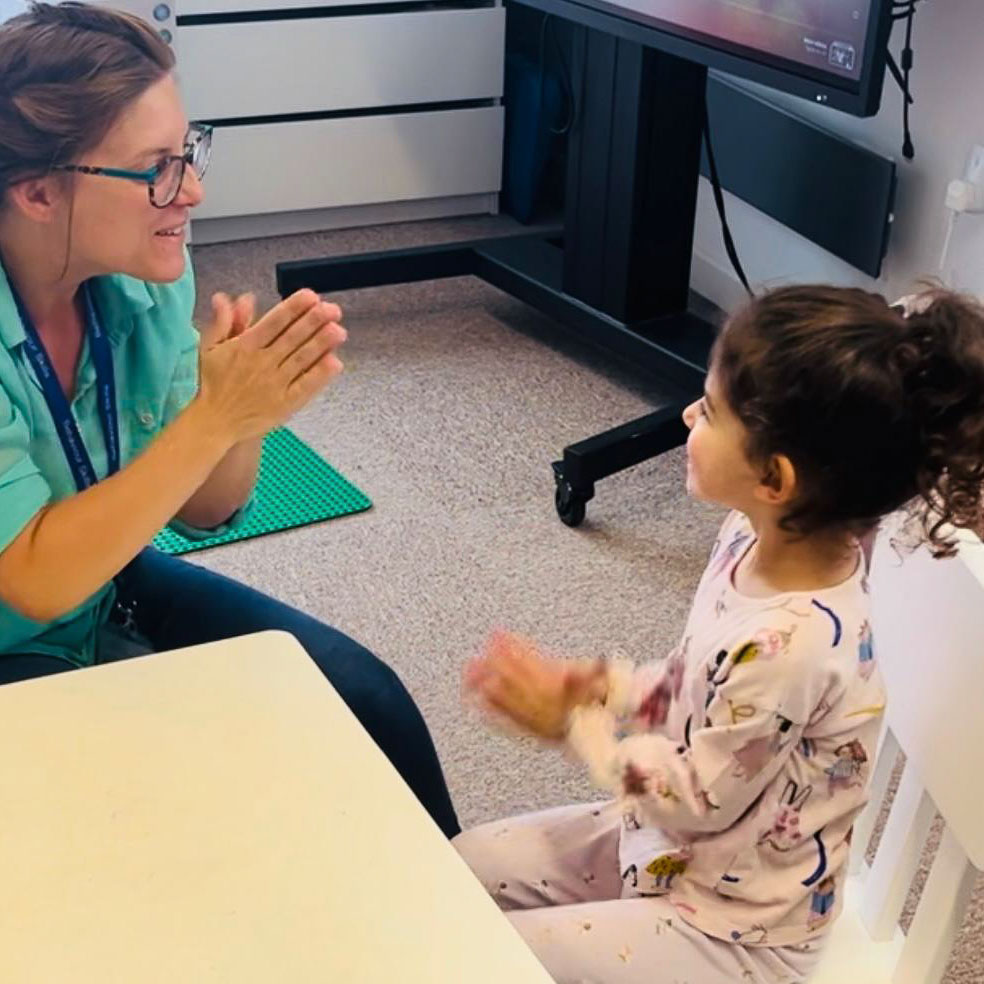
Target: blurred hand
(513, 680)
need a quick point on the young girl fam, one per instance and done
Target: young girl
(740, 763)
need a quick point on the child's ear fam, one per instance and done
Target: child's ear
(778, 483)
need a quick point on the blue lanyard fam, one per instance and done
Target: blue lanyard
(54, 395)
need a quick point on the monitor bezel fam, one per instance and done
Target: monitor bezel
(858, 98)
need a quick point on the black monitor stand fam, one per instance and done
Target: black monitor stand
(619, 275)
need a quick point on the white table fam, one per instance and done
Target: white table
(217, 814)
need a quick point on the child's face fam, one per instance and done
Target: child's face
(717, 469)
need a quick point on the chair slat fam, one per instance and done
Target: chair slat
(941, 911)
(897, 858)
(865, 824)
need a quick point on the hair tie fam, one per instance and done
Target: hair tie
(914, 304)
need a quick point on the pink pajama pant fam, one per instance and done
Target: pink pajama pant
(556, 875)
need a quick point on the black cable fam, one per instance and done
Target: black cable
(908, 149)
(904, 10)
(565, 84)
(729, 242)
(565, 74)
(893, 67)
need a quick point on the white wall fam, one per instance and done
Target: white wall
(10, 8)
(946, 120)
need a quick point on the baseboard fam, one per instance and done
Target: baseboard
(206, 231)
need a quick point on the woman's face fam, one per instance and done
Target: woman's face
(115, 228)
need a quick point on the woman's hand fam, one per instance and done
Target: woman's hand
(230, 318)
(536, 694)
(254, 377)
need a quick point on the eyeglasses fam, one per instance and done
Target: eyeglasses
(165, 178)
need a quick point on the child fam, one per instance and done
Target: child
(740, 763)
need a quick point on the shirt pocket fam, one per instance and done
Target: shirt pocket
(140, 422)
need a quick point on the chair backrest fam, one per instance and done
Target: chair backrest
(928, 627)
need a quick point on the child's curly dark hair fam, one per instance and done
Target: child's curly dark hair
(875, 410)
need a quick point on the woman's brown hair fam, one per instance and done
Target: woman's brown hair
(67, 71)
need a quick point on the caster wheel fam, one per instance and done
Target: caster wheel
(570, 506)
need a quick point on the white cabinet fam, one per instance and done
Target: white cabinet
(292, 167)
(338, 113)
(341, 63)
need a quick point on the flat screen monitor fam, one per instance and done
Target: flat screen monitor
(830, 51)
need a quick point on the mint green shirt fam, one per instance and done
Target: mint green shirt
(155, 357)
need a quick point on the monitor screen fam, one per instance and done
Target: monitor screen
(827, 36)
(830, 51)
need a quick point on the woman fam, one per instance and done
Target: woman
(116, 418)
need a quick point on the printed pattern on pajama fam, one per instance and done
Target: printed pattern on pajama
(738, 764)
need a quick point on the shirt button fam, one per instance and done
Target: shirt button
(147, 418)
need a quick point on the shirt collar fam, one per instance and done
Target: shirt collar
(118, 298)
(11, 326)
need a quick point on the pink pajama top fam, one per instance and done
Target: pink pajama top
(738, 803)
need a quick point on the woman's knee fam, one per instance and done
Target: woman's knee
(370, 688)
(15, 668)
(382, 697)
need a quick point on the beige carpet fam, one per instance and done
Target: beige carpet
(455, 400)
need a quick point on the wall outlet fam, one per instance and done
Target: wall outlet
(975, 166)
(963, 196)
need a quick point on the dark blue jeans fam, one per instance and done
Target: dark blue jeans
(177, 604)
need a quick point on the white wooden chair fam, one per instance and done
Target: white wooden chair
(928, 625)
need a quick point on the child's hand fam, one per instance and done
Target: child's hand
(512, 679)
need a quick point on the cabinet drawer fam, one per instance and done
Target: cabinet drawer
(353, 161)
(198, 8)
(322, 64)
